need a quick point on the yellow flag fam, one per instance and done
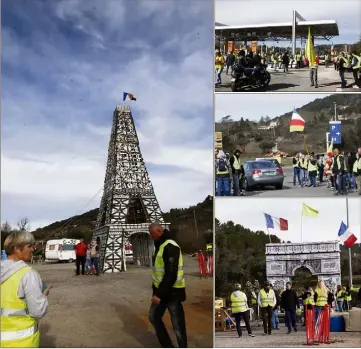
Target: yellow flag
(310, 51)
(308, 211)
(330, 147)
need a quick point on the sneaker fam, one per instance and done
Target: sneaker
(289, 331)
(251, 335)
(295, 328)
(316, 86)
(355, 86)
(277, 328)
(264, 333)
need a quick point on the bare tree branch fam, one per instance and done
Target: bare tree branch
(23, 224)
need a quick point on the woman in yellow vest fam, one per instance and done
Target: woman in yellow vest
(23, 297)
(267, 301)
(321, 297)
(219, 64)
(240, 310)
(340, 298)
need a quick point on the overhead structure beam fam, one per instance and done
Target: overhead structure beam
(296, 16)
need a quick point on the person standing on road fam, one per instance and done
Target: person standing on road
(275, 319)
(296, 169)
(168, 287)
(338, 169)
(88, 261)
(356, 65)
(230, 61)
(285, 62)
(289, 302)
(340, 298)
(314, 72)
(219, 65)
(237, 169)
(95, 256)
(23, 295)
(80, 252)
(322, 297)
(223, 174)
(298, 60)
(312, 170)
(321, 167)
(342, 65)
(303, 169)
(240, 310)
(308, 302)
(267, 301)
(327, 60)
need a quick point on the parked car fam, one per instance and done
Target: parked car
(262, 173)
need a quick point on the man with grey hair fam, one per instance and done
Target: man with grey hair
(23, 297)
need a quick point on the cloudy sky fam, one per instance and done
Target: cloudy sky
(323, 228)
(253, 106)
(65, 66)
(244, 12)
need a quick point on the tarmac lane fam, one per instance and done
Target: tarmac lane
(112, 310)
(296, 80)
(289, 190)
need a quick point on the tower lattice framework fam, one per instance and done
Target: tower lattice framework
(128, 204)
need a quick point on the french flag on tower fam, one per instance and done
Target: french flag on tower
(276, 223)
(346, 236)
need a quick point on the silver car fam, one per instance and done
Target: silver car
(262, 173)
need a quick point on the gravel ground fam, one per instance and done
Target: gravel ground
(112, 310)
(280, 339)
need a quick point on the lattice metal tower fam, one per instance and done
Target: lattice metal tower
(128, 204)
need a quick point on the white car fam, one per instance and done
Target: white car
(61, 250)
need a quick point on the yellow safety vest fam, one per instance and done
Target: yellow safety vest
(359, 163)
(309, 301)
(311, 167)
(340, 296)
(239, 304)
(355, 166)
(321, 298)
(209, 246)
(158, 268)
(326, 58)
(358, 64)
(237, 163)
(267, 299)
(18, 328)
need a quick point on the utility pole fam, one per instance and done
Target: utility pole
(349, 250)
(195, 222)
(335, 111)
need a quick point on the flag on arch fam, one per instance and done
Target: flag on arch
(276, 223)
(346, 236)
(297, 122)
(128, 96)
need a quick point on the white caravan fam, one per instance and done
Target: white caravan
(61, 250)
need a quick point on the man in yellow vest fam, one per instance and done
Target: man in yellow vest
(267, 301)
(23, 295)
(240, 310)
(340, 298)
(356, 65)
(312, 170)
(168, 287)
(237, 172)
(327, 60)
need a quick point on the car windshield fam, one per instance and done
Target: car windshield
(257, 165)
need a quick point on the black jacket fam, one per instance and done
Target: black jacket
(165, 291)
(289, 300)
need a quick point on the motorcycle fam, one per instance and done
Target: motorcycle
(255, 77)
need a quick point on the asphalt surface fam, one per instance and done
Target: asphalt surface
(280, 339)
(289, 190)
(111, 310)
(297, 80)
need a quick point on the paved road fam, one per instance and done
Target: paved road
(280, 339)
(290, 191)
(297, 80)
(111, 311)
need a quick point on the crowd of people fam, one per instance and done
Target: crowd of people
(266, 304)
(343, 62)
(340, 170)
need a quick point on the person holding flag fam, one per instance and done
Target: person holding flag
(313, 60)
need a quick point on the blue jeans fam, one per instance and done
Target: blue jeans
(223, 185)
(312, 179)
(177, 317)
(95, 262)
(219, 76)
(296, 174)
(87, 264)
(342, 76)
(303, 174)
(290, 319)
(318, 310)
(275, 319)
(339, 306)
(341, 183)
(351, 180)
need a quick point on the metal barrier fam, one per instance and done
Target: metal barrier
(318, 330)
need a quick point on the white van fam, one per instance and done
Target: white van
(61, 250)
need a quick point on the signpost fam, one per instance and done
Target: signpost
(335, 132)
(218, 140)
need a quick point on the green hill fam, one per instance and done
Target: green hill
(182, 225)
(240, 257)
(247, 136)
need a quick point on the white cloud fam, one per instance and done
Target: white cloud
(323, 228)
(244, 12)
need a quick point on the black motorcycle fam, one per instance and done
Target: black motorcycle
(254, 77)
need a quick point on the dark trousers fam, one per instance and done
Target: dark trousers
(177, 317)
(290, 319)
(95, 262)
(80, 260)
(267, 319)
(356, 78)
(245, 316)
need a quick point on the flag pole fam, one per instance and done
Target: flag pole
(269, 236)
(349, 250)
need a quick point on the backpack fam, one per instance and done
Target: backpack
(222, 165)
